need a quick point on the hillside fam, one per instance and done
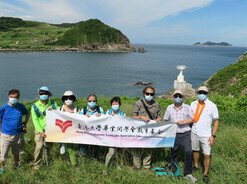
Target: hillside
(90, 35)
(231, 80)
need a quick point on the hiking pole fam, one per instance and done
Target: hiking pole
(45, 152)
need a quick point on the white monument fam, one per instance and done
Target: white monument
(181, 84)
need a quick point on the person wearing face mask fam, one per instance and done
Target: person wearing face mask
(92, 109)
(115, 110)
(38, 112)
(181, 114)
(11, 115)
(147, 110)
(205, 113)
(69, 99)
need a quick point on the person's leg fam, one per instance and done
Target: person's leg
(147, 158)
(137, 152)
(206, 148)
(195, 147)
(22, 144)
(109, 156)
(83, 149)
(186, 144)
(206, 163)
(5, 144)
(38, 151)
(175, 149)
(72, 154)
(16, 147)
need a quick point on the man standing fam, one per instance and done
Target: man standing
(205, 112)
(181, 114)
(12, 127)
(145, 109)
(38, 113)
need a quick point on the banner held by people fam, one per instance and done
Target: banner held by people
(107, 130)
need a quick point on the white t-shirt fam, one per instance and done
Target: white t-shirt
(210, 112)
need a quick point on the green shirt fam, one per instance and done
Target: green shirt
(39, 121)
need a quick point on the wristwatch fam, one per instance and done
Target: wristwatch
(214, 136)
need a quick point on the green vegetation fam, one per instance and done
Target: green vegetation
(84, 33)
(18, 34)
(228, 161)
(231, 80)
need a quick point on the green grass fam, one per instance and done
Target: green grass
(228, 165)
(31, 37)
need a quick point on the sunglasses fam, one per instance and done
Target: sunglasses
(92, 101)
(202, 92)
(44, 93)
(69, 98)
(151, 94)
(178, 95)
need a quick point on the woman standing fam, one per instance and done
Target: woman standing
(68, 99)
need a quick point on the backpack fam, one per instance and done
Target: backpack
(39, 113)
(172, 170)
(85, 110)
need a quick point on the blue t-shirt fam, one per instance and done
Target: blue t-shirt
(11, 117)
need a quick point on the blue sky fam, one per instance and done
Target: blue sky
(146, 21)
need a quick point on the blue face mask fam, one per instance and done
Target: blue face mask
(148, 97)
(91, 104)
(202, 97)
(178, 100)
(43, 97)
(13, 101)
(115, 107)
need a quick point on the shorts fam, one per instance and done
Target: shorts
(196, 141)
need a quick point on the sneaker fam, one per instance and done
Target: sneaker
(205, 179)
(191, 178)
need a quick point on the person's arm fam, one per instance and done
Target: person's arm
(185, 121)
(215, 129)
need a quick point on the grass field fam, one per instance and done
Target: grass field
(229, 163)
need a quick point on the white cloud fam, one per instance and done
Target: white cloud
(118, 12)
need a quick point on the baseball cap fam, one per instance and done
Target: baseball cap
(202, 88)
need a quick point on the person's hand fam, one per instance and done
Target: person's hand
(145, 118)
(211, 140)
(42, 134)
(180, 122)
(88, 115)
(98, 115)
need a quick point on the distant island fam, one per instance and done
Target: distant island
(224, 44)
(91, 35)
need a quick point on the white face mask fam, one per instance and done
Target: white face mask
(68, 102)
(13, 101)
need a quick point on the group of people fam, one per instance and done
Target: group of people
(194, 124)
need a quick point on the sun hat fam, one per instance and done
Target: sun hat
(178, 92)
(68, 93)
(202, 88)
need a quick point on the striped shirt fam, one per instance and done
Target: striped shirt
(173, 114)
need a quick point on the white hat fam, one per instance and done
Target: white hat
(178, 92)
(202, 88)
(68, 93)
